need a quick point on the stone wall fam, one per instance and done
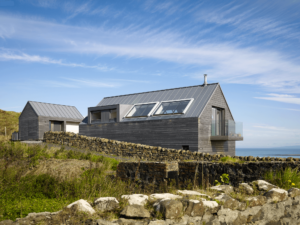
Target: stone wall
(139, 151)
(184, 174)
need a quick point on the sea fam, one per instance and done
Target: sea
(265, 152)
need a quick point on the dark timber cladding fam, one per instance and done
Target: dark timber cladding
(188, 129)
(38, 117)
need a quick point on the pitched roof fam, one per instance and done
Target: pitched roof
(54, 110)
(200, 93)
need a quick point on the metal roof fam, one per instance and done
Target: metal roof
(200, 93)
(54, 110)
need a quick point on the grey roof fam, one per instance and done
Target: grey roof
(54, 110)
(200, 93)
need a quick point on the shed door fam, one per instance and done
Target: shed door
(72, 127)
(56, 126)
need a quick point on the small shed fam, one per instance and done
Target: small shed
(38, 117)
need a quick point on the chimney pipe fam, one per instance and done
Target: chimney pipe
(205, 80)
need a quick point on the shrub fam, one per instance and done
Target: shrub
(285, 179)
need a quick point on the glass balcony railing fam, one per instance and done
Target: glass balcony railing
(227, 128)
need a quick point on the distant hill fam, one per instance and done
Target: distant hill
(10, 120)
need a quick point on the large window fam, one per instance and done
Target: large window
(96, 116)
(104, 116)
(141, 110)
(217, 123)
(173, 107)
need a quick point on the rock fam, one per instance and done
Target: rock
(83, 206)
(227, 189)
(157, 222)
(104, 222)
(188, 192)
(164, 196)
(256, 201)
(231, 203)
(134, 211)
(293, 192)
(171, 209)
(123, 221)
(277, 194)
(195, 208)
(246, 188)
(213, 206)
(106, 204)
(136, 199)
(7, 222)
(264, 185)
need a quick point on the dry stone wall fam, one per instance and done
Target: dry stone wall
(139, 151)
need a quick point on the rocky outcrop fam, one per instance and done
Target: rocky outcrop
(82, 206)
(135, 211)
(106, 204)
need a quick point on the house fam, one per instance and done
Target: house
(195, 118)
(38, 117)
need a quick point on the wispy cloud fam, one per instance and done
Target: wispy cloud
(282, 98)
(7, 56)
(224, 62)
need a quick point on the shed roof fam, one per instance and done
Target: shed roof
(55, 110)
(200, 93)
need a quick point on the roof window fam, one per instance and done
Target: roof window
(141, 110)
(173, 107)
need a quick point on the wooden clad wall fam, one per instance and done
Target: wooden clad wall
(168, 133)
(28, 124)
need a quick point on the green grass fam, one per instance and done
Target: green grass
(20, 194)
(284, 178)
(10, 120)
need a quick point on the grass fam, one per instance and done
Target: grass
(20, 194)
(284, 178)
(229, 159)
(10, 120)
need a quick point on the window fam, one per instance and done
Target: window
(113, 115)
(96, 116)
(217, 123)
(173, 107)
(55, 125)
(141, 110)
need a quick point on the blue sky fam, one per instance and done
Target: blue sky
(77, 52)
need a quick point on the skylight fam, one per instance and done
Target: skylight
(173, 107)
(141, 110)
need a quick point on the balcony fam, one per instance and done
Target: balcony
(227, 130)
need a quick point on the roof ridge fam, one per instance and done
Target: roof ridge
(159, 90)
(53, 104)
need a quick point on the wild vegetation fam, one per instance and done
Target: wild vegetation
(284, 178)
(10, 120)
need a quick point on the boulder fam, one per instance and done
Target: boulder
(135, 211)
(195, 208)
(246, 188)
(188, 192)
(212, 206)
(293, 192)
(104, 222)
(136, 199)
(264, 185)
(164, 196)
(231, 203)
(227, 189)
(171, 209)
(277, 194)
(106, 204)
(6, 222)
(157, 222)
(256, 201)
(123, 221)
(83, 206)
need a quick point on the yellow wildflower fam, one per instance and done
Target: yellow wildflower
(293, 184)
(289, 181)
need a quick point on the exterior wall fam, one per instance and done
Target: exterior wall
(28, 124)
(167, 133)
(44, 124)
(72, 127)
(205, 145)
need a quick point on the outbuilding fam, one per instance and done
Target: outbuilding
(38, 117)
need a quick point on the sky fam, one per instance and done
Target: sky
(77, 52)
